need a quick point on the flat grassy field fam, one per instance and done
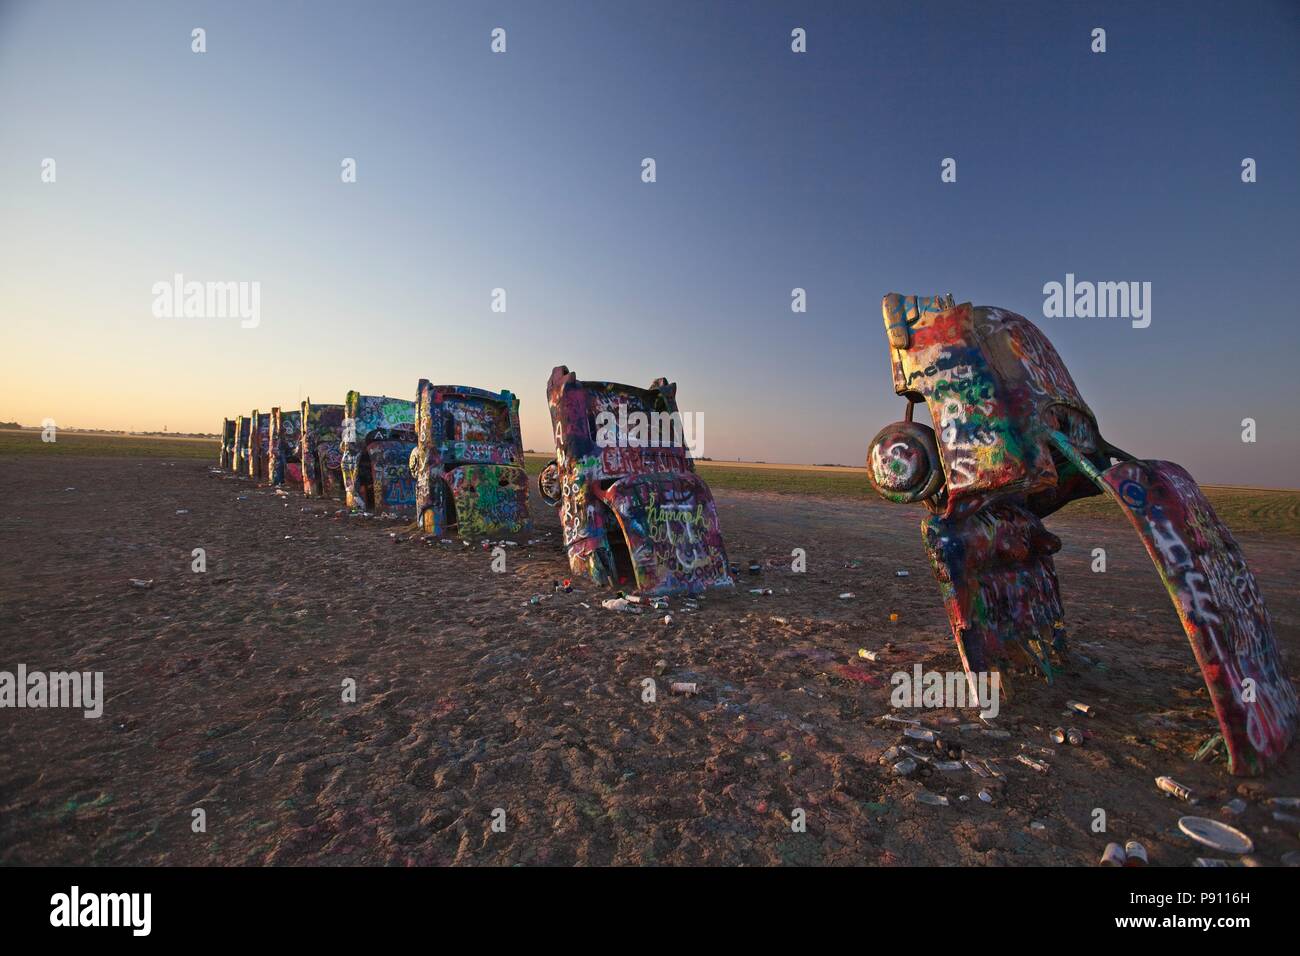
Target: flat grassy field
(106, 446)
(1245, 510)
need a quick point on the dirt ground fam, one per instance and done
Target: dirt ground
(224, 692)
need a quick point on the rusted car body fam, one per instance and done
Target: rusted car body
(243, 433)
(286, 447)
(469, 462)
(378, 436)
(259, 446)
(226, 457)
(632, 514)
(1015, 442)
(321, 460)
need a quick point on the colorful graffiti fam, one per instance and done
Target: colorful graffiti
(259, 446)
(631, 514)
(226, 458)
(469, 462)
(239, 458)
(286, 447)
(377, 433)
(321, 460)
(1012, 442)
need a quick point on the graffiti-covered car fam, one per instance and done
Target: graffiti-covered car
(286, 447)
(226, 458)
(259, 446)
(378, 436)
(633, 511)
(243, 434)
(1013, 442)
(322, 461)
(468, 462)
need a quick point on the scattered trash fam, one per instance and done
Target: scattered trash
(682, 687)
(932, 799)
(1058, 735)
(182, 511)
(1285, 803)
(1210, 861)
(668, 618)
(620, 604)
(1234, 807)
(1216, 835)
(893, 616)
(986, 796)
(905, 767)
(1175, 789)
(1078, 708)
(760, 590)
(867, 655)
(1074, 737)
(996, 734)
(141, 583)
(755, 567)
(901, 574)
(1212, 751)
(1031, 763)
(1135, 853)
(947, 765)
(1113, 855)
(920, 733)
(1037, 825)
(847, 596)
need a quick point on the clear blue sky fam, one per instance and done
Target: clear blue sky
(775, 170)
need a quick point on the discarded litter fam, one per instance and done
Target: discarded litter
(668, 618)
(1234, 807)
(1175, 789)
(620, 604)
(905, 767)
(867, 655)
(847, 595)
(1074, 737)
(1113, 855)
(947, 765)
(893, 616)
(760, 590)
(932, 799)
(141, 582)
(1079, 708)
(1216, 835)
(920, 733)
(986, 796)
(1058, 735)
(1135, 853)
(901, 574)
(682, 687)
(1031, 763)
(182, 511)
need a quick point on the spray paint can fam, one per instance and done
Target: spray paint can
(1114, 855)
(1175, 789)
(1074, 736)
(1135, 854)
(1058, 735)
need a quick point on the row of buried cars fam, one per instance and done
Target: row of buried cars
(452, 460)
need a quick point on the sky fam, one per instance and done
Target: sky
(775, 170)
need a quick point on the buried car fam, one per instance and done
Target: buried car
(286, 447)
(226, 457)
(259, 446)
(321, 460)
(378, 436)
(468, 462)
(633, 511)
(1015, 442)
(243, 434)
